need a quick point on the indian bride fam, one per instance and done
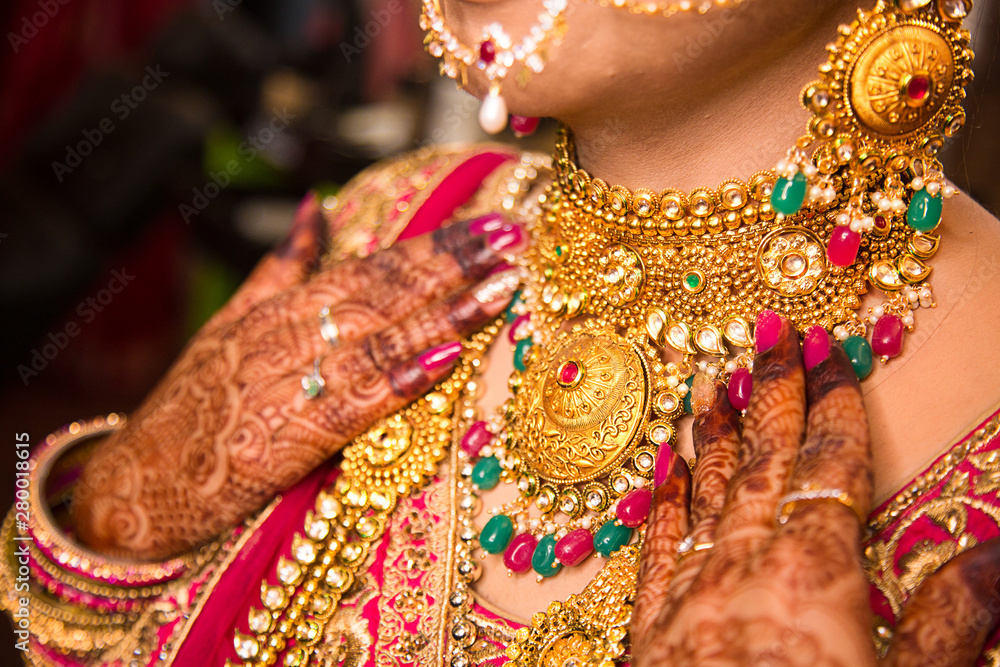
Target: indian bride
(485, 406)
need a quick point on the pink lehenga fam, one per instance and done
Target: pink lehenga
(336, 571)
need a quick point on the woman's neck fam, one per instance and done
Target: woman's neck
(742, 122)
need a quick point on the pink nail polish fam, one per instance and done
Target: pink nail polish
(509, 237)
(487, 223)
(439, 357)
(815, 347)
(661, 469)
(767, 331)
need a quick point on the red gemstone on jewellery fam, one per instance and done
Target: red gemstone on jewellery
(518, 329)
(881, 222)
(740, 384)
(518, 555)
(476, 438)
(843, 247)
(487, 52)
(918, 87)
(633, 509)
(574, 547)
(569, 372)
(523, 125)
(887, 337)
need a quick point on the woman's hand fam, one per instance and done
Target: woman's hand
(765, 579)
(230, 426)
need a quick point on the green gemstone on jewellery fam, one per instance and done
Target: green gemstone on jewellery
(924, 212)
(788, 195)
(687, 396)
(516, 299)
(486, 473)
(544, 559)
(496, 534)
(520, 350)
(694, 281)
(611, 537)
(859, 351)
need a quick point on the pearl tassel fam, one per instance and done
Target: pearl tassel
(493, 112)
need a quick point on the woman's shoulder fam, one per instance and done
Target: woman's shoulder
(397, 196)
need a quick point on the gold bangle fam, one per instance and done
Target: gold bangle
(794, 499)
(56, 546)
(688, 547)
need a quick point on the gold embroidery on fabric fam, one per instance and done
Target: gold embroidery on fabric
(346, 639)
(960, 491)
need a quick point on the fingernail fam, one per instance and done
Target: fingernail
(703, 393)
(508, 237)
(767, 331)
(487, 223)
(664, 463)
(498, 289)
(439, 357)
(815, 347)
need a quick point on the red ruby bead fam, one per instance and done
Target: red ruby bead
(843, 247)
(569, 372)
(523, 125)
(881, 223)
(517, 329)
(574, 547)
(740, 384)
(487, 52)
(476, 438)
(887, 337)
(918, 87)
(518, 555)
(633, 509)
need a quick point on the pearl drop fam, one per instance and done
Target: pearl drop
(925, 292)
(815, 192)
(933, 188)
(884, 205)
(876, 197)
(586, 522)
(948, 191)
(879, 311)
(493, 113)
(908, 320)
(713, 371)
(840, 332)
(898, 205)
(857, 226)
(810, 171)
(843, 219)
(639, 482)
(873, 319)
(730, 366)
(918, 183)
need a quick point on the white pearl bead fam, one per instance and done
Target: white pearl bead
(493, 113)
(898, 205)
(884, 205)
(917, 184)
(840, 332)
(810, 171)
(879, 311)
(639, 482)
(843, 219)
(713, 371)
(873, 319)
(933, 188)
(908, 320)
(815, 192)
(948, 192)
(730, 366)
(857, 226)
(586, 522)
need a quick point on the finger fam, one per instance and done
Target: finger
(336, 417)
(384, 288)
(836, 454)
(442, 321)
(288, 264)
(772, 433)
(716, 434)
(668, 522)
(949, 618)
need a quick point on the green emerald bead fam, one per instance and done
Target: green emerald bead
(788, 195)
(496, 534)
(924, 212)
(486, 473)
(859, 351)
(514, 300)
(544, 559)
(611, 537)
(520, 350)
(687, 396)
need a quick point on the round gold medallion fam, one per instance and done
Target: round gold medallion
(791, 261)
(901, 79)
(583, 407)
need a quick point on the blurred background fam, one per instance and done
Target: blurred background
(123, 222)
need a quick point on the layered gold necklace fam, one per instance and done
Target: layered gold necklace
(629, 293)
